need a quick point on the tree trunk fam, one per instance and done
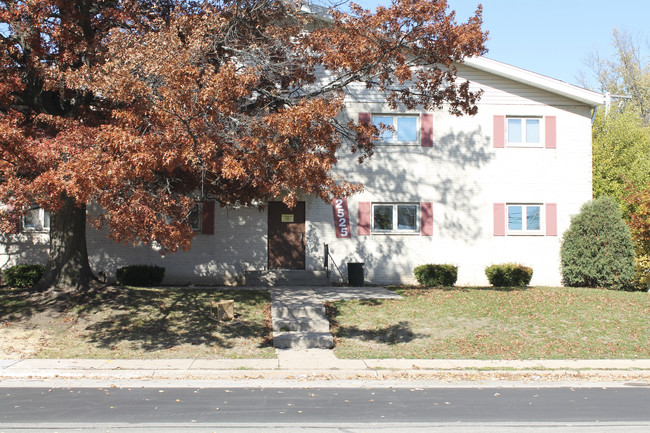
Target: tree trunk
(67, 266)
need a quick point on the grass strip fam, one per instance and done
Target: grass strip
(489, 323)
(135, 323)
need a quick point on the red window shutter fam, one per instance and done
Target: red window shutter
(426, 214)
(551, 219)
(207, 218)
(364, 218)
(16, 225)
(364, 117)
(15, 219)
(499, 219)
(499, 131)
(426, 130)
(550, 132)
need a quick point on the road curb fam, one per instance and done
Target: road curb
(641, 377)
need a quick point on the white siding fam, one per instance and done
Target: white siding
(239, 243)
(462, 175)
(22, 248)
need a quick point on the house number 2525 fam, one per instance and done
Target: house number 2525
(341, 217)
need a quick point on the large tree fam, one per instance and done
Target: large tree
(146, 108)
(621, 130)
(625, 74)
(621, 152)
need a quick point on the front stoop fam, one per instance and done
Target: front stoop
(285, 277)
(299, 320)
(286, 324)
(303, 340)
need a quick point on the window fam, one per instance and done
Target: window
(524, 131)
(36, 220)
(395, 218)
(524, 218)
(405, 128)
(195, 218)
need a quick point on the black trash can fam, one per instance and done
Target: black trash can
(355, 274)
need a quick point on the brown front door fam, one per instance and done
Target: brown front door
(286, 236)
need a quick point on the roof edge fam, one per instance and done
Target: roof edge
(534, 79)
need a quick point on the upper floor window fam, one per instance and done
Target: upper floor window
(524, 131)
(36, 220)
(524, 218)
(405, 128)
(395, 217)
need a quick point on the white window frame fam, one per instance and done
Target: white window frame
(523, 142)
(395, 117)
(395, 229)
(43, 218)
(524, 217)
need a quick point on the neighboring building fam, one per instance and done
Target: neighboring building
(497, 187)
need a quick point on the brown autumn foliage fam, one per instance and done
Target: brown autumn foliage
(147, 107)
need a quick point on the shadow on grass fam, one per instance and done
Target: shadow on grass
(152, 319)
(394, 334)
(162, 319)
(16, 303)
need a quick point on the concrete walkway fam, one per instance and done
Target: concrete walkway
(299, 315)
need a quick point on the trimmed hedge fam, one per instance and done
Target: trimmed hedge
(597, 249)
(509, 275)
(436, 275)
(140, 275)
(23, 276)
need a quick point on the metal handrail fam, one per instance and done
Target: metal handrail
(327, 269)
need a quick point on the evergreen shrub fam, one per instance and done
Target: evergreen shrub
(509, 275)
(597, 249)
(23, 276)
(140, 275)
(436, 275)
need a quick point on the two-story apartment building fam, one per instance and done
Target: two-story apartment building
(499, 186)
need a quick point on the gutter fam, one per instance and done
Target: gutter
(543, 82)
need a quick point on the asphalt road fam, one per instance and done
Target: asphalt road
(179, 409)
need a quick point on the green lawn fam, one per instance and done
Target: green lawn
(488, 323)
(135, 323)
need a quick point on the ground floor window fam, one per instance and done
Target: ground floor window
(524, 218)
(395, 217)
(36, 220)
(195, 217)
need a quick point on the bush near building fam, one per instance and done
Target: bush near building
(432, 275)
(509, 275)
(597, 249)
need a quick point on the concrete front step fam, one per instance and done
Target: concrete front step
(303, 340)
(282, 277)
(299, 319)
(301, 324)
(282, 311)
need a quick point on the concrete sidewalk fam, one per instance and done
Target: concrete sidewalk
(321, 364)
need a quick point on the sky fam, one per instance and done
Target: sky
(553, 37)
